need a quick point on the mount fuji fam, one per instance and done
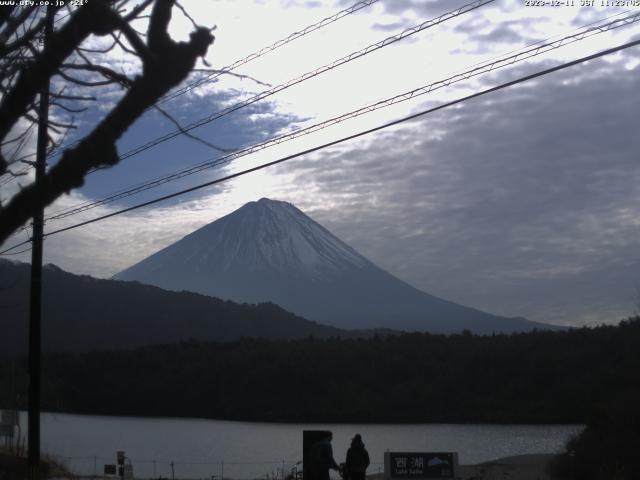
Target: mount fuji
(271, 251)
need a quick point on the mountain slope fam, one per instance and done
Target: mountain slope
(271, 251)
(82, 313)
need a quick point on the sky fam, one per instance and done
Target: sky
(522, 202)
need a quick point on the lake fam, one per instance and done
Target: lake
(202, 448)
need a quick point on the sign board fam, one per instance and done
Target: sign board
(120, 456)
(9, 417)
(110, 470)
(419, 465)
(6, 430)
(128, 472)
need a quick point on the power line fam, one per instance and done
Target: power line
(318, 71)
(347, 138)
(565, 33)
(352, 56)
(238, 63)
(481, 69)
(253, 56)
(11, 176)
(295, 35)
(20, 252)
(306, 76)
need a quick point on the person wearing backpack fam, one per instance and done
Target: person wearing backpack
(357, 460)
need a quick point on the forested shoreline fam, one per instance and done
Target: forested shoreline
(537, 377)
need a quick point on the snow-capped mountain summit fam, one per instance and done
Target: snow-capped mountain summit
(271, 251)
(274, 235)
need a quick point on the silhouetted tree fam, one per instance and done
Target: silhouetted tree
(608, 447)
(25, 66)
(404, 378)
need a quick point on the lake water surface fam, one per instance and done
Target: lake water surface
(241, 450)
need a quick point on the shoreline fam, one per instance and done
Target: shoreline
(312, 422)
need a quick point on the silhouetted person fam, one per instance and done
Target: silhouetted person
(357, 460)
(321, 458)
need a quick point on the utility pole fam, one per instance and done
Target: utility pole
(35, 311)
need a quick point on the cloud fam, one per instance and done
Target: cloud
(522, 203)
(239, 129)
(301, 3)
(420, 7)
(389, 27)
(483, 35)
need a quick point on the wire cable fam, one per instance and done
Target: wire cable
(352, 56)
(306, 76)
(274, 46)
(18, 253)
(11, 176)
(483, 68)
(318, 71)
(252, 56)
(229, 68)
(414, 116)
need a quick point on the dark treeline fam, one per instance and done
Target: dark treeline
(538, 377)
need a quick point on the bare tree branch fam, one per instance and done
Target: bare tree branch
(232, 74)
(84, 83)
(97, 50)
(138, 10)
(67, 108)
(190, 135)
(104, 71)
(17, 138)
(118, 42)
(12, 24)
(165, 65)
(134, 40)
(23, 40)
(18, 148)
(5, 15)
(73, 97)
(93, 17)
(66, 126)
(186, 14)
